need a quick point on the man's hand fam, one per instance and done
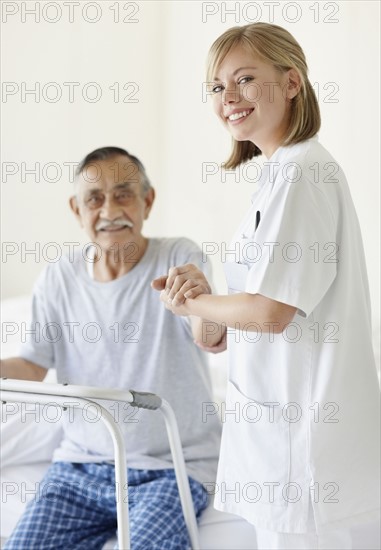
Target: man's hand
(177, 310)
(182, 284)
(21, 369)
(185, 281)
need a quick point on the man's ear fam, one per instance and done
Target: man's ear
(293, 85)
(149, 200)
(75, 208)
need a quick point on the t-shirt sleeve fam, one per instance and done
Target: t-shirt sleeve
(39, 338)
(189, 252)
(297, 251)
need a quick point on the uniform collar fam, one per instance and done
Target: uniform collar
(272, 164)
(282, 151)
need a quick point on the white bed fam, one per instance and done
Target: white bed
(27, 447)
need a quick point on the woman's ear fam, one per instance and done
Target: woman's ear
(293, 84)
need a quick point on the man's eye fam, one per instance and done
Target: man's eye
(125, 195)
(91, 201)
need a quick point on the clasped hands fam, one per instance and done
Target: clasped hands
(182, 283)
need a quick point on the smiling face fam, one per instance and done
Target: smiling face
(253, 99)
(111, 204)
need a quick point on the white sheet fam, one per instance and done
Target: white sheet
(18, 486)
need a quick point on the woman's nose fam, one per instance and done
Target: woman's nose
(231, 94)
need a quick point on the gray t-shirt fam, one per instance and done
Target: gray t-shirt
(118, 334)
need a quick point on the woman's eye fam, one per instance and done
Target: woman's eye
(217, 88)
(245, 79)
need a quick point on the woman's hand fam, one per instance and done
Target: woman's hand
(177, 310)
(182, 282)
(178, 289)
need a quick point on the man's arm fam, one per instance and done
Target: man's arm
(208, 335)
(21, 369)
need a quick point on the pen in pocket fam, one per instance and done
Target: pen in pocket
(257, 219)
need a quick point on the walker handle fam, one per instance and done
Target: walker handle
(145, 400)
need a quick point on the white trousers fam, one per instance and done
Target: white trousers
(340, 539)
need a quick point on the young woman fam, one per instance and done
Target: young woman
(300, 433)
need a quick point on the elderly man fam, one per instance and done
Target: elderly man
(116, 334)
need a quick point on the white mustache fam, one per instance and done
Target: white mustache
(102, 224)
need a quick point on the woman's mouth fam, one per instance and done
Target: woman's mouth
(239, 117)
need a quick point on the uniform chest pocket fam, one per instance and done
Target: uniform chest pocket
(236, 275)
(259, 449)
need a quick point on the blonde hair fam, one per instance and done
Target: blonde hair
(279, 48)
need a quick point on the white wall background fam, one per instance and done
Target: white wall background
(169, 126)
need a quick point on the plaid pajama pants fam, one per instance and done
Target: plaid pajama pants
(74, 509)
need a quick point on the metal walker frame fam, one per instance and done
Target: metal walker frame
(22, 391)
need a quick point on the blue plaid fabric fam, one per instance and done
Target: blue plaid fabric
(75, 509)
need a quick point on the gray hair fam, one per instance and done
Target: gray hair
(105, 153)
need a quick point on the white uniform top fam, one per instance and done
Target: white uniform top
(302, 407)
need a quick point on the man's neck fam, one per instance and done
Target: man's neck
(118, 261)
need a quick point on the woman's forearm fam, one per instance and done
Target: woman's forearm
(242, 311)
